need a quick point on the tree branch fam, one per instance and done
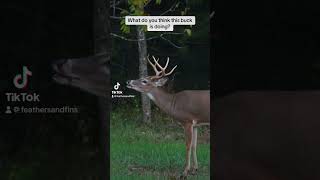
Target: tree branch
(116, 17)
(211, 15)
(147, 39)
(112, 3)
(147, 3)
(161, 36)
(114, 8)
(172, 8)
(121, 9)
(132, 40)
(170, 42)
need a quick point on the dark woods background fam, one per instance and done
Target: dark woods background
(265, 45)
(47, 146)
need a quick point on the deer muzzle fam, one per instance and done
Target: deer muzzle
(129, 84)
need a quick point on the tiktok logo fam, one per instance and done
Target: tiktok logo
(21, 80)
(116, 87)
(117, 93)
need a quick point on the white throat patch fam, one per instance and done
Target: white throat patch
(150, 96)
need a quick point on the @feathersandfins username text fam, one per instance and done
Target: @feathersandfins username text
(22, 109)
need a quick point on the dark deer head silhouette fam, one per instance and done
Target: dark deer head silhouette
(90, 74)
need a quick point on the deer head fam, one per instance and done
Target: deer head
(89, 74)
(146, 84)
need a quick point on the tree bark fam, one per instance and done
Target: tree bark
(102, 46)
(143, 72)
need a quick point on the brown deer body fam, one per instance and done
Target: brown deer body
(190, 108)
(267, 135)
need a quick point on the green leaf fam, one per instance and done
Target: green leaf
(132, 8)
(125, 29)
(124, 12)
(122, 21)
(145, 28)
(135, 2)
(139, 12)
(145, 1)
(158, 1)
(188, 31)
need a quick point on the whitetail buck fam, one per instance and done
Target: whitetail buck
(267, 135)
(190, 108)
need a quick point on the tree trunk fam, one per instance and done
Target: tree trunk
(143, 72)
(102, 47)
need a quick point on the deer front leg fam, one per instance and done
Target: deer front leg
(188, 130)
(194, 150)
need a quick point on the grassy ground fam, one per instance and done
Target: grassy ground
(156, 151)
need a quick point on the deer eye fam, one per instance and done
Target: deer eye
(144, 81)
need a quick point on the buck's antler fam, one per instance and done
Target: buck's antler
(154, 66)
(162, 72)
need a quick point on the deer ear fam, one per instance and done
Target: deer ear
(161, 81)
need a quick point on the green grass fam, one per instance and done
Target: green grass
(155, 151)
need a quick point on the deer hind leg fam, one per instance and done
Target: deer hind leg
(188, 129)
(194, 150)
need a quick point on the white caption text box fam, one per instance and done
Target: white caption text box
(160, 23)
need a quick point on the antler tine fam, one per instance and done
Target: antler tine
(156, 62)
(167, 74)
(154, 59)
(168, 60)
(154, 66)
(162, 69)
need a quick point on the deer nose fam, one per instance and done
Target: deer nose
(128, 82)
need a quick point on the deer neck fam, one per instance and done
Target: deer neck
(162, 99)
